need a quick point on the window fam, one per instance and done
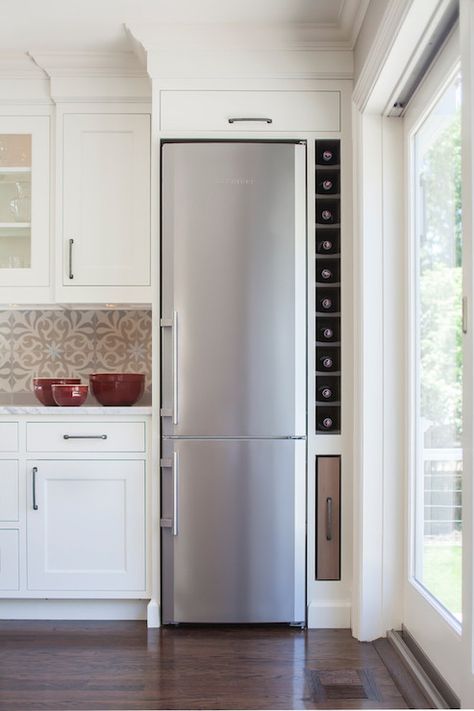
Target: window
(438, 346)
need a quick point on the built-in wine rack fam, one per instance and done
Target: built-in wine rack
(328, 287)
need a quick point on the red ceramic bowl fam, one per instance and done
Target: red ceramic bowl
(117, 388)
(42, 388)
(69, 395)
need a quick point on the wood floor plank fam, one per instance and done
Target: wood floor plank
(122, 665)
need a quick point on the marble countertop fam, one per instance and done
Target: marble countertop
(76, 411)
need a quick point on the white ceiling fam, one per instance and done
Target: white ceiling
(99, 25)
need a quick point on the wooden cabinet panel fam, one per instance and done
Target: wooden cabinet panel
(106, 200)
(328, 518)
(88, 530)
(8, 436)
(85, 436)
(285, 110)
(9, 567)
(9, 503)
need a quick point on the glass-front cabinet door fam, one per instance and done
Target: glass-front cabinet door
(24, 204)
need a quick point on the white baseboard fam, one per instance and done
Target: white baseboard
(29, 609)
(329, 614)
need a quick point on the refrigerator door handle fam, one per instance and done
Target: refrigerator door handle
(175, 493)
(175, 367)
(173, 324)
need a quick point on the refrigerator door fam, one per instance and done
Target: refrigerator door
(233, 294)
(233, 546)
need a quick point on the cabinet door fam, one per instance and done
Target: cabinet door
(106, 200)
(88, 530)
(24, 202)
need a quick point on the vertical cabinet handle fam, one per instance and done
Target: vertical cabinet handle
(35, 505)
(175, 493)
(329, 518)
(70, 273)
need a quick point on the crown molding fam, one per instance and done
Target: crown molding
(292, 37)
(19, 65)
(89, 64)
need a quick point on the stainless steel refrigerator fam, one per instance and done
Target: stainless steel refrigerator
(233, 367)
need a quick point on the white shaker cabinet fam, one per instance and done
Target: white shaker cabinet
(86, 525)
(104, 208)
(24, 209)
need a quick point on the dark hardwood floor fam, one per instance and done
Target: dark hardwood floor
(122, 665)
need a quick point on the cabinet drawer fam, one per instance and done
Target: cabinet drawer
(9, 567)
(8, 436)
(85, 436)
(287, 110)
(9, 509)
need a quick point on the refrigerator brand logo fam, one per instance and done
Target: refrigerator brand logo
(236, 181)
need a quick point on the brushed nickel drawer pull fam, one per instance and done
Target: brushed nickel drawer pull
(236, 119)
(329, 518)
(68, 436)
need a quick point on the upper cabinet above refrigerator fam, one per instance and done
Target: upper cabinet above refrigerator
(233, 289)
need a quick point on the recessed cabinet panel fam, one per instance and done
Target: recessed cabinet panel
(8, 436)
(328, 518)
(87, 531)
(8, 490)
(272, 110)
(106, 200)
(9, 566)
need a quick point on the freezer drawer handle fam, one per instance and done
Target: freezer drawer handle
(35, 505)
(236, 119)
(68, 436)
(329, 518)
(175, 493)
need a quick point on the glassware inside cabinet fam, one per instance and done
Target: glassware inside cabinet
(15, 201)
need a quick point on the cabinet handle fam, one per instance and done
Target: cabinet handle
(329, 518)
(35, 505)
(175, 493)
(235, 119)
(70, 274)
(68, 436)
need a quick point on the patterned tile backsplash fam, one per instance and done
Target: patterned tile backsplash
(71, 344)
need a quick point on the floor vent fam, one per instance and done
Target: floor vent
(343, 684)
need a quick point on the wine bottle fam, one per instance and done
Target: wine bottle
(326, 393)
(327, 333)
(327, 362)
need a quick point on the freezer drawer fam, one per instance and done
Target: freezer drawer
(234, 289)
(234, 536)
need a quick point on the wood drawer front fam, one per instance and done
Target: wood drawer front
(288, 110)
(328, 518)
(8, 437)
(9, 564)
(9, 487)
(67, 437)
